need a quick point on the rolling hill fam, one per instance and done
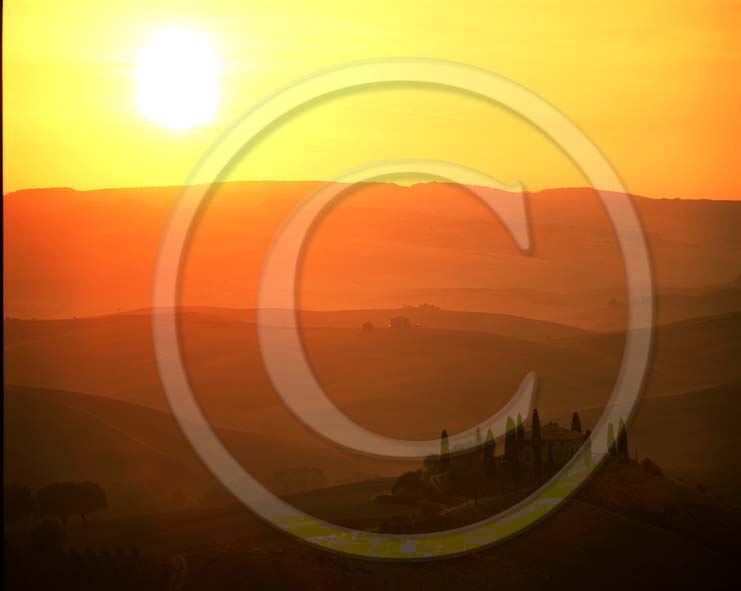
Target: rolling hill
(404, 383)
(691, 436)
(602, 310)
(81, 253)
(140, 456)
(382, 378)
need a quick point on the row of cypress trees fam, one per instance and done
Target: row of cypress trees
(515, 437)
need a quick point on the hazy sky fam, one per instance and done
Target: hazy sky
(654, 84)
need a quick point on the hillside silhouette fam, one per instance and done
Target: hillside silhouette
(693, 545)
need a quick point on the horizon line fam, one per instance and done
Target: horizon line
(404, 185)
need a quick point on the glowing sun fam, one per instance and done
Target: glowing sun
(177, 76)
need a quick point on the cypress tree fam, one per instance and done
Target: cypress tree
(444, 448)
(611, 439)
(511, 450)
(622, 441)
(489, 450)
(520, 430)
(510, 440)
(536, 427)
(575, 422)
(536, 442)
(587, 448)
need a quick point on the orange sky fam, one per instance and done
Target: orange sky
(654, 84)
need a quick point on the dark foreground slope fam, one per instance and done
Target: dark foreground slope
(627, 529)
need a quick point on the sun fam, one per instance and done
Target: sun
(177, 75)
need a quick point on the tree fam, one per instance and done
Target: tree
(520, 430)
(431, 463)
(651, 467)
(611, 439)
(510, 440)
(467, 475)
(536, 440)
(18, 502)
(444, 448)
(454, 483)
(490, 447)
(622, 441)
(575, 422)
(65, 499)
(587, 457)
(512, 450)
(409, 485)
(368, 326)
(535, 428)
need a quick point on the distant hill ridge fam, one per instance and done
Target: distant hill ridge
(73, 253)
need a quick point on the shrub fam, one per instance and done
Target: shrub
(18, 502)
(651, 467)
